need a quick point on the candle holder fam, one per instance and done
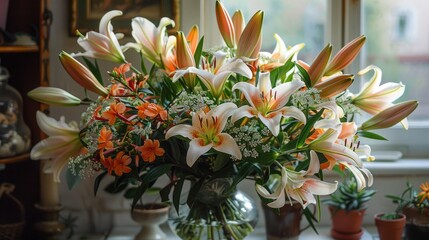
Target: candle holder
(49, 227)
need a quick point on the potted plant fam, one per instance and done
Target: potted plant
(347, 207)
(390, 226)
(415, 206)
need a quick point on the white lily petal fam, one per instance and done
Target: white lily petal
(196, 149)
(272, 121)
(339, 152)
(243, 111)
(294, 113)
(264, 82)
(52, 127)
(283, 93)
(250, 92)
(182, 130)
(318, 187)
(314, 165)
(227, 145)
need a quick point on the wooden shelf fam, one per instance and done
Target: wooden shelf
(15, 159)
(18, 49)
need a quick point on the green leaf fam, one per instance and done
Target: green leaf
(370, 135)
(195, 188)
(198, 52)
(97, 181)
(71, 179)
(177, 192)
(130, 193)
(93, 67)
(155, 172)
(116, 186)
(310, 218)
(165, 192)
(138, 194)
(304, 75)
(307, 128)
(142, 65)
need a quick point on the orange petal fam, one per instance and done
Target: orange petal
(225, 25)
(251, 36)
(317, 68)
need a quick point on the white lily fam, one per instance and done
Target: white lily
(103, 44)
(206, 133)
(267, 103)
(375, 98)
(298, 186)
(63, 142)
(358, 174)
(279, 56)
(303, 189)
(215, 73)
(150, 40)
(327, 144)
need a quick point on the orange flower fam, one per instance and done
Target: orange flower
(121, 163)
(150, 150)
(107, 163)
(151, 110)
(122, 69)
(424, 194)
(104, 140)
(114, 110)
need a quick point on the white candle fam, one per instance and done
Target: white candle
(49, 196)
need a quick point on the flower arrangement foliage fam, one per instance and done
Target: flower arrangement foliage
(201, 113)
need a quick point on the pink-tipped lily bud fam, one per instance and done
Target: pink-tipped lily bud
(82, 75)
(317, 68)
(390, 116)
(225, 25)
(54, 96)
(334, 85)
(345, 56)
(250, 39)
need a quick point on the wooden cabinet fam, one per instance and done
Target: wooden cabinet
(28, 68)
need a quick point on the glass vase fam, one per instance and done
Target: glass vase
(214, 214)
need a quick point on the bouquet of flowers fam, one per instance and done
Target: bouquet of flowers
(213, 117)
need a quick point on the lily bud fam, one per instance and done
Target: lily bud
(390, 116)
(334, 85)
(317, 68)
(239, 24)
(193, 37)
(184, 54)
(185, 58)
(345, 56)
(82, 75)
(250, 38)
(225, 25)
(54, 96)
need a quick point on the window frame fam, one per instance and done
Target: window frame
(344, 23)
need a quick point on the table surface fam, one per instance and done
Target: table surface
(127, 233)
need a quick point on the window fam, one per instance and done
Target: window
(295, 21)
(397, 41)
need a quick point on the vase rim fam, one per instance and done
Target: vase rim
(160, 207)
(378, 217)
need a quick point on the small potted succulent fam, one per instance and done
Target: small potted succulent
(415, 206)
(347, 207)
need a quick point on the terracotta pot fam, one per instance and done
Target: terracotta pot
(417, 226)
(150, 216)
(284, 224)
(390, 229)
(346, 224)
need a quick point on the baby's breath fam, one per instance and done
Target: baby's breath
(248, 137)
(83, 167)
(306, 99)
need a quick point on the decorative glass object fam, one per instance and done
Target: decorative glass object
(215, 214)
(14, 133)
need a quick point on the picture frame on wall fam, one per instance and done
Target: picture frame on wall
(86, 14)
